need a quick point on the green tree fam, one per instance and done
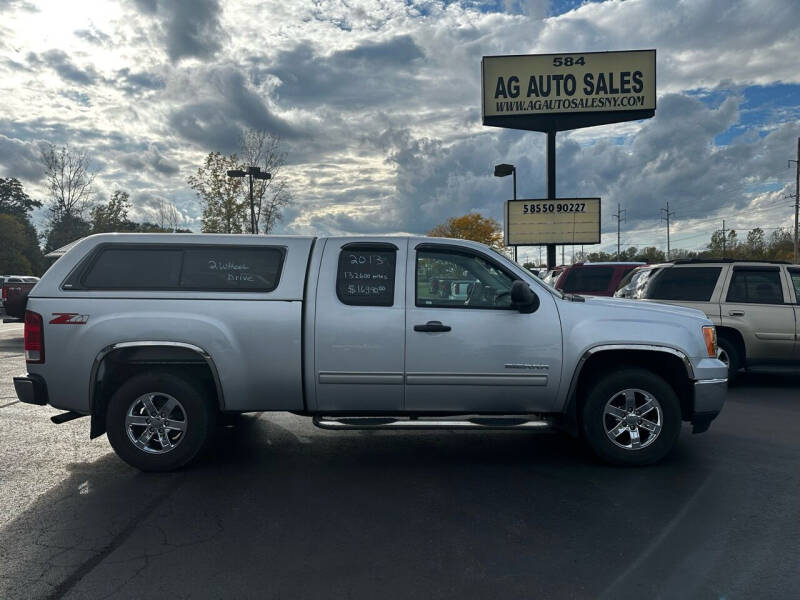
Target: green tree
(12, 258)
(64, 230)
(650, 255)
(112, 216)
(224, 208)
(756, 243)
(14, 201)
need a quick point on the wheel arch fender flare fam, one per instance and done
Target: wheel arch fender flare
(569, 417)
(153, 347)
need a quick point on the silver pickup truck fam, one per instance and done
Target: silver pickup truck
(157, 336)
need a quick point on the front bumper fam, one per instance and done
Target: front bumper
(709, 397)
(31, 389)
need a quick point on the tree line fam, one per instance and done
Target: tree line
(756, 245)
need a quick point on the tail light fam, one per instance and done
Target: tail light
(34, 337)
(5, 293)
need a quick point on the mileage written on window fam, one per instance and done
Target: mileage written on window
(366, 277)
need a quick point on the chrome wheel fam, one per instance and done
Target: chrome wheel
(632, 419)
(156, 423)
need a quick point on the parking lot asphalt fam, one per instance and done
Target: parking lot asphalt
(279, 509)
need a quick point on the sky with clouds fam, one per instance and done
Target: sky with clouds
(378, 106)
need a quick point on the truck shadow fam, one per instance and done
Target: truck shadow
(12, 344)
(279, 509)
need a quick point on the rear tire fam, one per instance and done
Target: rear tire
(728, 352)
(631, 417)
(159, 421)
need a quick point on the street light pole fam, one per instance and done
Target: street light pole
(504, 170)
(515, 197)
(251, 173)
(252, 207)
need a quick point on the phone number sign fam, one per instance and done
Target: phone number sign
(559, 221)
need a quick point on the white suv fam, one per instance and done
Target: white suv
(754, 305)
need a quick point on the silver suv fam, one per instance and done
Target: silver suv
(754, 305)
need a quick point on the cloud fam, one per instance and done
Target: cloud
(190, 28)
(230, 104)
(19, 158)
(134, 82)
(61, 64)
(150, 159)
(372, 72)
(93, 36)
(23, 5)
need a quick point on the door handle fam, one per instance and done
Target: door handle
(432, 326)
(736, 313)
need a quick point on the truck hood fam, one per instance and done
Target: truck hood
(637, 306)
(618, 321)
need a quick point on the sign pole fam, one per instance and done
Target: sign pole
(551, 188)
(514, 173)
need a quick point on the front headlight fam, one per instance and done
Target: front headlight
(710, 337)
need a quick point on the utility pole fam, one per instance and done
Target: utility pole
(796, 196)
(620, 216)
(665, 216)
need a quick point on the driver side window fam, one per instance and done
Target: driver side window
(456, 279)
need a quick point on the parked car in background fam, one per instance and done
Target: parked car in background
(15, 294)
(634, 283)
(594, 279)
(550, 276)
(752, 303)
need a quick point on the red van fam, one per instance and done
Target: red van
(594, 279)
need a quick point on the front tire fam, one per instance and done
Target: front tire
(159, 421)
(631, 417)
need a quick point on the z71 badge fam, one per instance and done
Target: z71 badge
(68, 319)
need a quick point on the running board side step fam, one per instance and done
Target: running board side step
(66, 417)
(410, 423)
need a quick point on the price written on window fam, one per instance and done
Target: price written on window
(366, 277)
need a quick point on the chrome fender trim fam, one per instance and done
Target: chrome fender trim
(139, 344)
(644, 347)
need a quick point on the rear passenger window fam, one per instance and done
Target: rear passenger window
(199, 268)
(760, 286)
(135, 268)
(588, 279)
(690, 284)
(366, 274)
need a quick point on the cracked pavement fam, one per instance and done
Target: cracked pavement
(279, 509)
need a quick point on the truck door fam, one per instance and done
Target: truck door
(467, 350)
(756, 304)
(360, 326)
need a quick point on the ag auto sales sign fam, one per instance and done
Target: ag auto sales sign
(536, 91)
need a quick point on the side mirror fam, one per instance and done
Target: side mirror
(522, 298)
